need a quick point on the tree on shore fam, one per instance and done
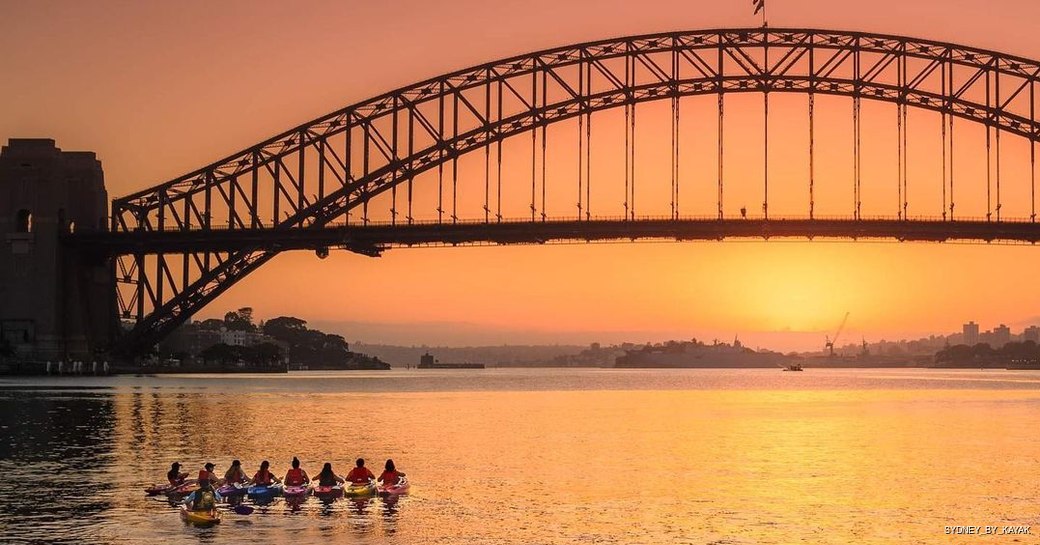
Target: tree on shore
(240, 320)
(983, 353)
(222, 353)
(263, 354)
(282, 336)
(312, 347)
(268, 353)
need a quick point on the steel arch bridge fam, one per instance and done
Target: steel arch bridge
(177, 246)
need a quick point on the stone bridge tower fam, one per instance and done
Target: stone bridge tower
(55, 302)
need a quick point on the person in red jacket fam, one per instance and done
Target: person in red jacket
(296, 476)
(360, 474)
(206, 475)
(264, 477)
(390, 476)
(235, 474)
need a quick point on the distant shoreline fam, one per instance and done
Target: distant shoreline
(11, 369)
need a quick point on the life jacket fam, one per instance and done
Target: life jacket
(294, 477)
(263, 477)
(390, 478)
(360, 475)
(207, 475)
(204, 500)
(174, 477)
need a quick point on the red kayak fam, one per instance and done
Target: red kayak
(157, 489)
(328, 492)
(296, 491)
(168, 488)
(184, 489)
(401, 487)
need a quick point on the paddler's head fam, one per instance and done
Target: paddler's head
(264, 465)
(236, 463)
(209, 466)
(295, 463)
(175, 466)
(390, 465)
(327, 468)
(360, 462)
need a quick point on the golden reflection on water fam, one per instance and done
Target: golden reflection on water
(857, 466)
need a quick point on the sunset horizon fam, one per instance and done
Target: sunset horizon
(811, 274)
(511, 272)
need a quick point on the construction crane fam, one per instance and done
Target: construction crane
(830, 342)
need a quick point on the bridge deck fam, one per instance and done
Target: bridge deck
(373, 238)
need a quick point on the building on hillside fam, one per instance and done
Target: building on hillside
(243, 338)
(1001, 336)
(971, 333)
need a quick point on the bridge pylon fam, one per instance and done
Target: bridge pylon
(56, 301)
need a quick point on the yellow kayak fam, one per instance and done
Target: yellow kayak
(360, 490)
(200, 517)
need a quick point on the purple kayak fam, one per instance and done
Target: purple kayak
(233, 489)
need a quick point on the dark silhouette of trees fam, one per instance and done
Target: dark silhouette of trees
(314, 348)
(221, 353)
(211, 324)
(275, 340)
(982, 354)
(263, 354)
(240, 320)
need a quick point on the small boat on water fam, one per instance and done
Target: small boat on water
(233, 489)
(401, 487)
(185, 489)
(264, 493)
(296, 492)
(426, 361)
(328, 492)
(360, 490)
(157, 489)
(205, 517)
(793, 367)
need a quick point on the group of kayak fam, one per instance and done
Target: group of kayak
(199, 497)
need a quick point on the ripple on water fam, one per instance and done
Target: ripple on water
(548, 456)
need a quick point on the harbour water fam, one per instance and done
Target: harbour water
(547, 456)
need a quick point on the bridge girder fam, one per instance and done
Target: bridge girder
(375, 238)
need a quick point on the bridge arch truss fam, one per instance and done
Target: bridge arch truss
(324, 173)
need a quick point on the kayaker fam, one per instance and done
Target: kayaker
(234, 474)
(390, 476)
(360, 474)
(264, 477)
(175, 476)
(327, 477)
(296, 476)
(203, 499)
(206, 475)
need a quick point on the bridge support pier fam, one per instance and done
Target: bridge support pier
(56, 301)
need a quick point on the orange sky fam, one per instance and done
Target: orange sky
(158, 89)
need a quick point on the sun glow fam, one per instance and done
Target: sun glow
(790, 287)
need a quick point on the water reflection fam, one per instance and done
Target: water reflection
(62, 444)
(389, 512)
(567, 456)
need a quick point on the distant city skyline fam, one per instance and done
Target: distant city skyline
(462, 334)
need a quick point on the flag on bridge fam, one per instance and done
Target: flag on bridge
(759, 5)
